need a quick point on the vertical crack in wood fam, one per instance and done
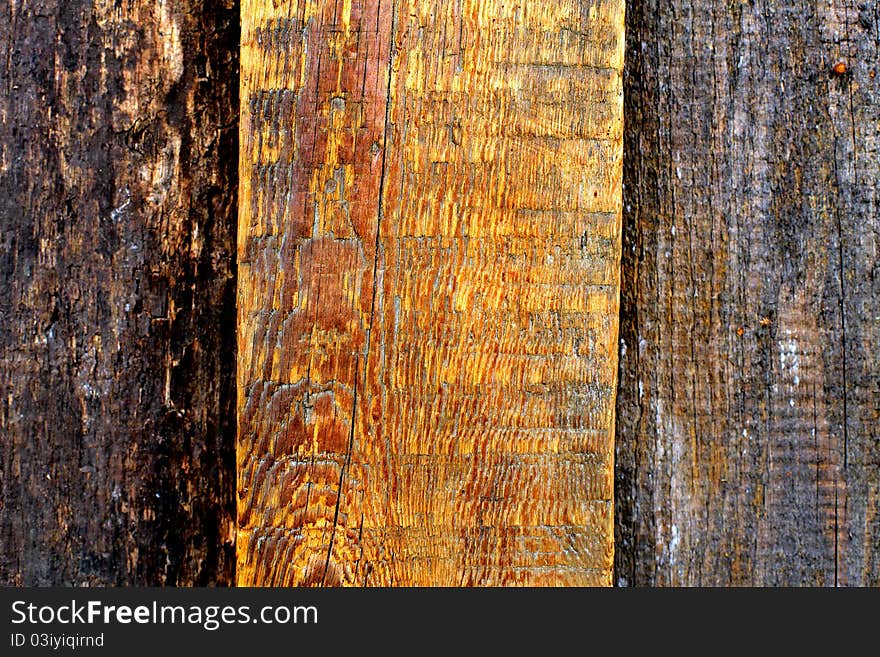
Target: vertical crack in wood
(379, 213)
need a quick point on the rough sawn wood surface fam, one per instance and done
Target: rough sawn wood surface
(748, 448)
(429, 261)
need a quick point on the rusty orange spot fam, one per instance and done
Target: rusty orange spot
(840, 68)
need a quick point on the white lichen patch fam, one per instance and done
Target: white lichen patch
(789, 361)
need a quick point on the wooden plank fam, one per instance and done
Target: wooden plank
(117, 208)
(748, 406)
(428, 258)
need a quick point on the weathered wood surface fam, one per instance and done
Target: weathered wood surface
(428, 260)
(748, 425)
(117, 213)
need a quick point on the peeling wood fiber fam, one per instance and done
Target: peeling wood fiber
(117, 215)
(429, 240)
(748, 450)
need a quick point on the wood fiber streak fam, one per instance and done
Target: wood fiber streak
(117, 215)
(429, 243)
(748, 405)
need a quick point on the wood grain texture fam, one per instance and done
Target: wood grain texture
(428, 248)
(748, 406)
(117, 215)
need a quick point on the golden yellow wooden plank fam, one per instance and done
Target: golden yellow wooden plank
(428, 289)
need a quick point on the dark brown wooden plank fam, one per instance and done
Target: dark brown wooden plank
(117, 212)
(748, 445)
